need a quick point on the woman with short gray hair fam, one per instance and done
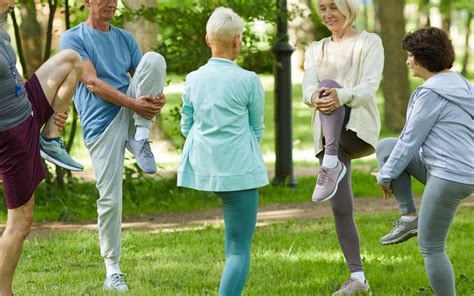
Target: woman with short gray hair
(222, 120)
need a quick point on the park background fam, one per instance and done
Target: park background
(174, 245)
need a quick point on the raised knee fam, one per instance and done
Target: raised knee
(155, 59)
(385, 146)
(329, 83)
(71, 57)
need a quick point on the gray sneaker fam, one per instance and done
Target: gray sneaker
(142, 152)
(401, 232)
(54, 151)
(353, 287)
(328, 180)
(116, 283)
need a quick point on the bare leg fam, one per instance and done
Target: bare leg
(58, 78)
(11, 244)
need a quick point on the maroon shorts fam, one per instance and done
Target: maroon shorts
(21, 167)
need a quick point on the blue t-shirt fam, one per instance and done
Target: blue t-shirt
(114, 54)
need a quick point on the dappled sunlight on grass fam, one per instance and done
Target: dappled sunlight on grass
(290, 258)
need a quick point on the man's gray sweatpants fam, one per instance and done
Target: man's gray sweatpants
(107, 154)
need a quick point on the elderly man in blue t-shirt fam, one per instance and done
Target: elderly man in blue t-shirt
(115, 113)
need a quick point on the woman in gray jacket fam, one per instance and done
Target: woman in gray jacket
(436, 146)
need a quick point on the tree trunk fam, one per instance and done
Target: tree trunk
(31, 32)
(19, 45)
(53, 5)
(445, 7)
(395, 83)
(424, 19)
(465, 61)
(145, 31)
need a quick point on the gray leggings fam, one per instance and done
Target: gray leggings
(345, 142)
(439, 203)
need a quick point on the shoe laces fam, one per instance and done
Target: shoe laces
(118, 279)
(146, 152)
(61, 143)
(322, 176)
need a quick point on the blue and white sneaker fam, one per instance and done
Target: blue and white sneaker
(143, 154)
(53, 150)
(116, 283)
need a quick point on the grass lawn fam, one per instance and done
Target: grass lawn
(292, 258)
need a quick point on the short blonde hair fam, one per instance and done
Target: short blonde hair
(223, 25)
(349, 9)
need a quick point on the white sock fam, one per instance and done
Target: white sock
(359, 275)
(330, 161)
(406, 218)
(112, 269)
(142, 133)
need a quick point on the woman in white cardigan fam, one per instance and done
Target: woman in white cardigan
(342, 75)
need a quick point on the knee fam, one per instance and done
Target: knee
(21, 227)
(71, 57)
(155, 59)
(329, 83)
(430, 246)
(385, 147)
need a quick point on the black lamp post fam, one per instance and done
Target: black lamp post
(283, 100)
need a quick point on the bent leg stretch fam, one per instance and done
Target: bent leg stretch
(402, 186)
(240, 216)
(59, 77)
(148, 79)
(332, 124)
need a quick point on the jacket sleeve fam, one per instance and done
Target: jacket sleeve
(310, 76)
(256, 107)
(372, 59)
(187, 111)
(423, 115)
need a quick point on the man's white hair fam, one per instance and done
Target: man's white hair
(223, 25)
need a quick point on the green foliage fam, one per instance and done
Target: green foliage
(291, 258)
(183, 30)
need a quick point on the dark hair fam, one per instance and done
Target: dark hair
(431, 48)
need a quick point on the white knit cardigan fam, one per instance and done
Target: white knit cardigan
(358, 92)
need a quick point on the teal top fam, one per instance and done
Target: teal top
(222, 120)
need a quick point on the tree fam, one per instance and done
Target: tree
(31, 35)
(445, 7)
(144, 30)
(395, 83)
(424, 19)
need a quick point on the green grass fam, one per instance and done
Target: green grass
(292, 258)
(151, 196)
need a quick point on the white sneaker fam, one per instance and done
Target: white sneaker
(116, 283)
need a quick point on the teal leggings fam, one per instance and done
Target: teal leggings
(240, 216)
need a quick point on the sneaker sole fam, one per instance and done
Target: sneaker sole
(341, 175)
(58, 163)
(401, 239)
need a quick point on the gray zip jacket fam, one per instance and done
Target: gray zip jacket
(439, 126)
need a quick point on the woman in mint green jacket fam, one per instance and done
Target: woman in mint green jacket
(222, 120)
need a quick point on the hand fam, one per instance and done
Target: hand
(387, 191)
(147, 106)
(328, 102)
(161, 99)
(60, 119)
